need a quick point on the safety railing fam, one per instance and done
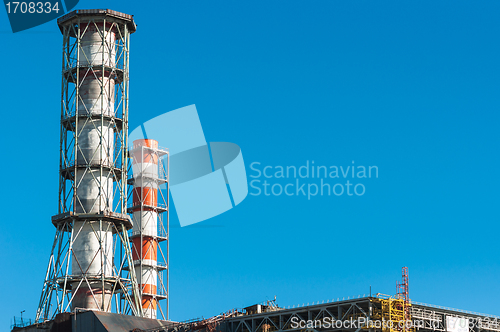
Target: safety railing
(454, 309)
(21, 322)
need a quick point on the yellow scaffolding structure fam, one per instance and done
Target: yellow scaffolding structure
(391, 315)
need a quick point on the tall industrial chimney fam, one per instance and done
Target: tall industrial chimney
(84, 270)
(148, 208)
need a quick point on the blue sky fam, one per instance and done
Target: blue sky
(411, 87)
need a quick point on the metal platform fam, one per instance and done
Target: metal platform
(116, 218)
(431, 318)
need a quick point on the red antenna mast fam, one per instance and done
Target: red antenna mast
(402, 288)
(403, 293)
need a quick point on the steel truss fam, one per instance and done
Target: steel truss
(284, 319)
(430, 318)
(434, 319)
(93, 169)
(160, 179)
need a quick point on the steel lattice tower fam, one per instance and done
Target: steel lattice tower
(149, 208)
(91, 245)
(403, 292)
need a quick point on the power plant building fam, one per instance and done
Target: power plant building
(108, 268)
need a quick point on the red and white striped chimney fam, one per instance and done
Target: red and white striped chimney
(145, 216)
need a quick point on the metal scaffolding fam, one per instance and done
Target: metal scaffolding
(403, 292)
(395, 311)
(148, 205)
(91, 244)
